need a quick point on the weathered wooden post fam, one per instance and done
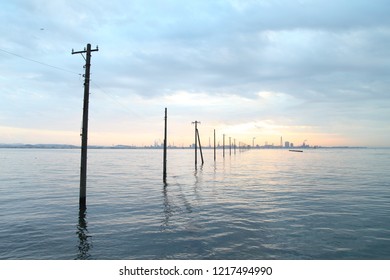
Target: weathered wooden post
(200, 146)
(165, 148)
(84, 133)
(223, 146)
(230, 146)
(195, 143)
(197, 138)
(215, 155)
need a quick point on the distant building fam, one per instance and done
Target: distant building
(286, 144)
(292, 145)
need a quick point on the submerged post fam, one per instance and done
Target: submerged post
(165, 148)
(84, 133)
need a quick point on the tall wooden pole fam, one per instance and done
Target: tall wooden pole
(196, 142)
(215, 154)
(230, 146)
(223, 145)
(200, 146)
(197, 138)
(84, 134)
(165, 148)
(196, 145)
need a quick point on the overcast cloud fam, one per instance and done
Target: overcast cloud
(316, 70)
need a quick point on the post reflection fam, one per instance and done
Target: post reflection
(167, 208)
(85, 243)
(198, 175)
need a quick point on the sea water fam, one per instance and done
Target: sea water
(257, 204)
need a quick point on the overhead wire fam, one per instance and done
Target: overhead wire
(103, 91)
(39, 62)
(68, 71)
(111, 97)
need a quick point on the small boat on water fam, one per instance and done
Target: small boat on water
(297, 151)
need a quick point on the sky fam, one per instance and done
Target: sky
(308, 71)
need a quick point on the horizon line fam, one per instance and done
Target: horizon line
(123, 146)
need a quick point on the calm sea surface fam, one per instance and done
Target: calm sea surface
(258, 204)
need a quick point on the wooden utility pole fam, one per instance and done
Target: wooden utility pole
(223, 145)
(84, 133)
(196, 142)
(200, 146)
(197, 139)
(215, 154)
(230, 146)
(165, 149)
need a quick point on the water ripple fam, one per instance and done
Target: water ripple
(262, 204)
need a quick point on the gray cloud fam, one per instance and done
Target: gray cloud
(331, 56)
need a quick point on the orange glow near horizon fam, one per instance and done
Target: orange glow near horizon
(182, 135)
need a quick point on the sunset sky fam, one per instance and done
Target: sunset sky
(305, 70)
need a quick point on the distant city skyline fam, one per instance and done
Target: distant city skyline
(302, 70)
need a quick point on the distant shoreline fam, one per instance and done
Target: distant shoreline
(127, 147)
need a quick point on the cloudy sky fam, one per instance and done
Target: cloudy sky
(305, 70)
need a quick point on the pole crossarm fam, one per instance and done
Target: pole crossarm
(85, 50)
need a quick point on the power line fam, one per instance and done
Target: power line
(103, 91)
(39, 62)
(110, 96)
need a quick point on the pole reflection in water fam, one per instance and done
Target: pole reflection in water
(85, 243)
(167, 208)
(198, 181)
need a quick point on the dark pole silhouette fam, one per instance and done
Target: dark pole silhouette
(165, 148)
(200, 146)
(215, 155)
(84, 133)
(230, 146)
(196, 141)
(223, 146)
